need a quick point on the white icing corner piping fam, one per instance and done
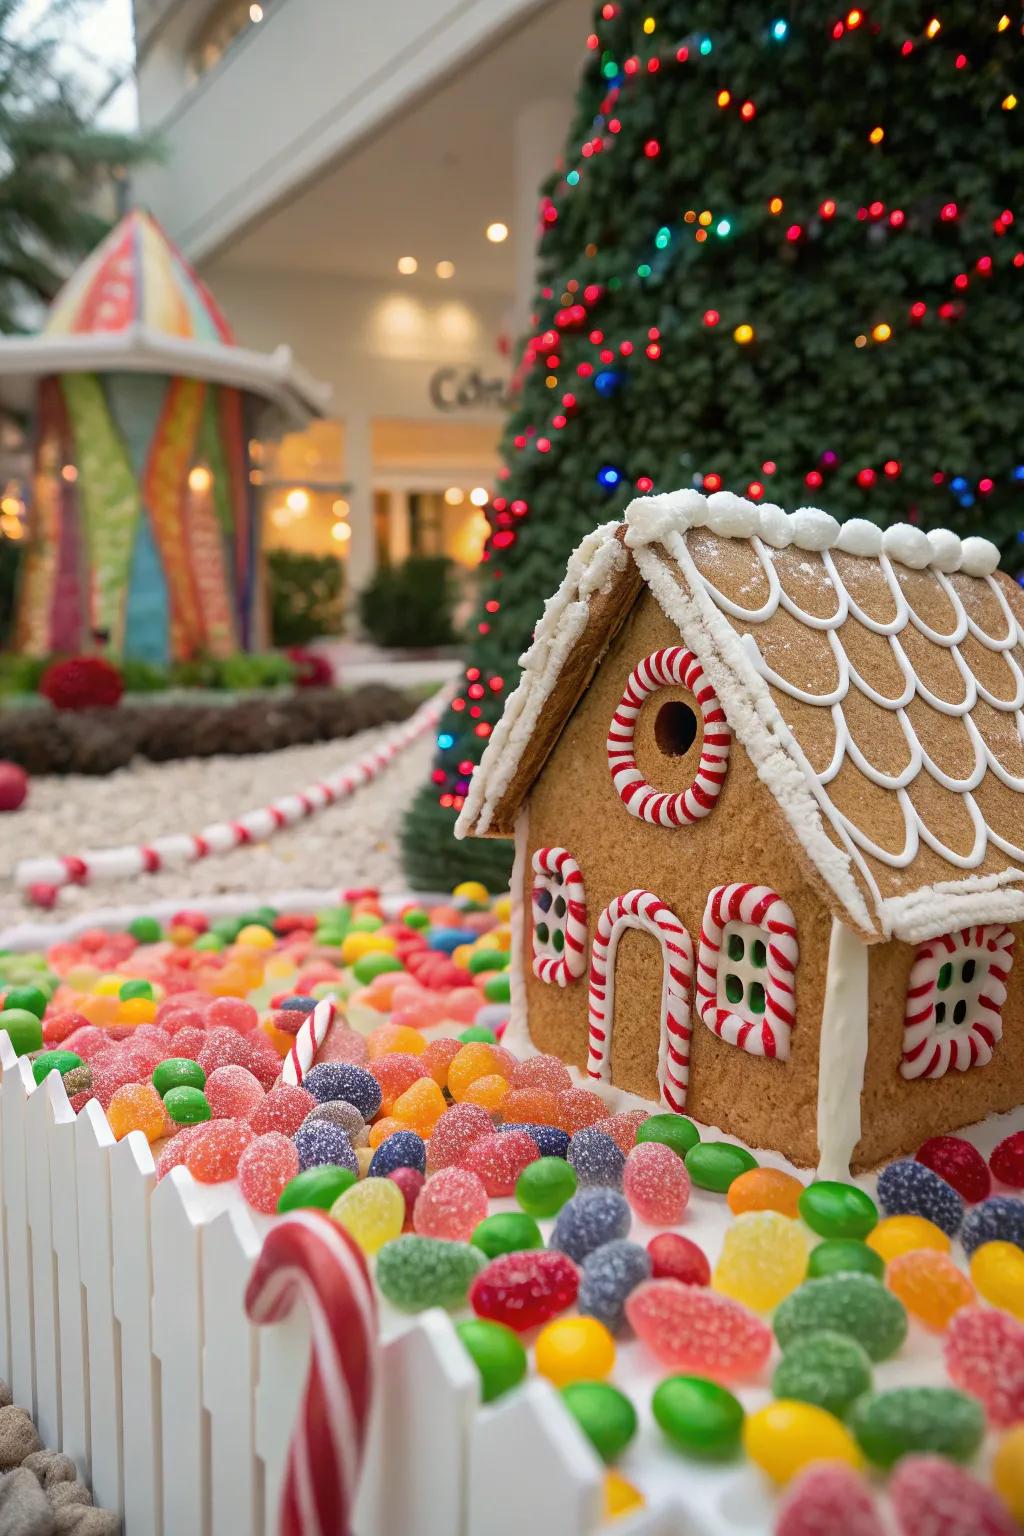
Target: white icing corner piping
(955, 904)
(842, 1051)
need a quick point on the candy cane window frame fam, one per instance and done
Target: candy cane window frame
(746, 969)
(955, 999)
(558, 906)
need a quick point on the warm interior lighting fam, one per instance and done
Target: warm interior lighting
(297, 500)
(199, 478)
(455, 496)
(445, 269)
(497, 232)
(407, 265)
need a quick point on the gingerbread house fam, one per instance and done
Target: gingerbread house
(764, 774)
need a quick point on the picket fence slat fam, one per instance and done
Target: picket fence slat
(15, 1088)
(530, 1429)
(74, 1332)
(231, 1244)
(93, 1141)
(132, 1180)
(45, 1317)
(7, 1061)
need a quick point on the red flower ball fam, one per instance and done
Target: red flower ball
(311, 669)
(13, 786)
(82, 682)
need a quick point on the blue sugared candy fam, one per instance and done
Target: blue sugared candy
(550, 1140)
(342, 1080)
(596, 1158)
(908, 1188)
(587, 1221)
(609, 1274)
(1000, 1219)
(299, 1004)
(319, 1143)
(446, 939)
(405, 1149)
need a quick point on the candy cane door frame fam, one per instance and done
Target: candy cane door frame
(648, 913)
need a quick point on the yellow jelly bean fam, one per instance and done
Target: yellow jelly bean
(358, 944)
(575, 1349)
(997, 1270)
(502, 908)
(472, 890)
(108, 986)
(372, 1212)
(255, 936)
(620, 1497)
(279, 966)
(764, 1257)
(905, 1234)
(460, 956)
(1008, 1465)
(786, 1436)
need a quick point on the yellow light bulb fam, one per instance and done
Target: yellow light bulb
(876, 135)
(882, 331)
(497, 232)
(860, 341)
(445, 269)
(776, 205)
(649, 24)
(407, 265)
(723, 98)
(933, 27)
(1002, 23)
(199, 478)
(1009, 102)
(743, 334)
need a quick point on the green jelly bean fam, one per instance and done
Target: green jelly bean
(918, 1421)
(674, 1131)
(365, 922)
(506, 1232)
(416, 918)
(479, 1032)
(498, 989)
(227, 928)
(418, 1272)
(318, 1187)
(209, 943)
(843, 1255)
(178, 1072)
(146, 929)
(699, 1416)
(854, 1304)
(488, 960)
(497, 1354)
(187, 1106)
(369, 966)
(605, 1415)
(829, 1369)
(137, 988)
(329, 938)
(714, 1164)
(835, 1209)
(544, 1186)
(24, 1028)
(30, 999)
(54, 1061)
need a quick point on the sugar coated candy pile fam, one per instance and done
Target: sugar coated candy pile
(595, 1245)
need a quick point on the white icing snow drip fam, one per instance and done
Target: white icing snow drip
(842, 1051)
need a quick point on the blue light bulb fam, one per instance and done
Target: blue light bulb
(608, 476)
(607, 382)
(780, 30)
(445, 741)
(958, 483)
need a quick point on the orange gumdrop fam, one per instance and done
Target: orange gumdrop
(930, 1286)
(474, 1060)
(530, 1106)
(231, 981)
(489, 1091)
(137, 1107)
(281, 1042)
(622, 1128)
(380, 1130)
(101, 1011)
(579, 1107)
(438, 1057)
(136, 1010)
(394, 1037)
(420, 1107)
(765, 1189)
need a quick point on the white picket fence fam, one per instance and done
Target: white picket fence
(122, 1329)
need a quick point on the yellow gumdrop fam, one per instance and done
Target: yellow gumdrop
(101, 1011)
(786, 1436)
(764, 1257)
(502, 908)
(420, 1107)
(472, 890)
(930, 1285)
(906, 1234)
(278, 967)
(620, 1496)
(82, 978)
(395, 1037)
(108, 986)
(255, 936)
(380, 1130)
(136, 1010)
(281, 1041)
(575, 1349)
(474, 1060)
(372, 1212)
(460, 956)
(137, 1107)
(356, 945)
(364, 1157)
(997, 1270)
(1008, 1466)
(489, 1091)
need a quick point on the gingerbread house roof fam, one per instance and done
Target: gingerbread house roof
(876, 681)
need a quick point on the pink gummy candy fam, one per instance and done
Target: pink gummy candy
(232, 1013)
(213, 1155)
(86, 1041)
(1007, 1161)
(695, 1330)
(499, 1159)
(283, 1109)
(958, 1162)
(542, 1071)
(189, 1042)
(525, 1289)
(174, 1151)
(656, 1183)
(985, 1356)
(451, 1204)
(174, 1014)
(223, 1048)
(233, 1092)
(456, 1132)
(578, 1108)
(410, 1181)
(264, 1169)
(622, 1128)
(932, 1497)
(344, 1044)
(829, 1499)
(462, 1005)
(674, 1257)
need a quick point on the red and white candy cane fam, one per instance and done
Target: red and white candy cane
(674, 667)
(307, 1042)
(558, 875)
(644, 910)
(759, 907)
(307, 1257)
(931, 1047)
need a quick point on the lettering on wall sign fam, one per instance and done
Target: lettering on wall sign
(455, 389)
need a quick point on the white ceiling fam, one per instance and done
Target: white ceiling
(430, 183)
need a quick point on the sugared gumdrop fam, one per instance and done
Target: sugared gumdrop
(174, 1152)
(402, 1149)
(622, 1128)
(1007, 1161)
(551, 1140)
(674, 1257)
(828, 1499)
(656, 1183)
(525, 1289)
(318, 1143)
(345, 1116)
(396, 1073)
(372, 1212)
(342, 1080)
(984, 1352)
(999, 1219)
(930, 1286)
(933, 1497)
(214, 1153)
(959, 1163)
(544, 1072)
(694, 1330)
(450, 1205)
(418, 1272)
(578, 1108)
(233, 1093)
(609, 1275)
(498, 1160)
(536, 1105)
(763, 1259)
(910, 1188)
(455, 1133)
(420, 1107)
(596, 1158)
(343, 1044)
(474, 1060)
(232, 1013)
(438, 1057)
(410, 1181)
(282, 1109)
(852, 1303)
(137, 1107)
(264, 1169)
(589, 1219)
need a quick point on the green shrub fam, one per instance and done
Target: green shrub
(143, 676)
(305, 596)
(412, 604)
(10, 562)
(21, 674)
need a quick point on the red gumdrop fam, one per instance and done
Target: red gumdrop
(656, 1183)
(499, 1159)
(282, 1109)
(622, 1128)
(829, 1499)
(264, 1168)
(188, 917)
(456, 1132)
(287, 1021)
(87, 1041)
(189, 1041)
(525, 1289)
(112, 1075)
(1007, 1161)
(154, 1035)
(233, 1093)
(410, 1181)
(543, 1071)
(395, 1072)
(144, 1056)
(674, 1257)
(232, 1013)
(78, 1101)
(959, 1163)
(932, 1497)
(213, 1155)
(176, 1013)
(174, 1151)
(578, 1108)
(695, 1330)
(451, 1205)
(984, 1352)
(58, 1026)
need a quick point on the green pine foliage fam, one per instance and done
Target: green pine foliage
(784, 256)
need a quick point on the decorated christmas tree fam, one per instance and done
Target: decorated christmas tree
(782, 257)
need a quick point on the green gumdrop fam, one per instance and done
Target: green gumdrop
(699, 1416)
(843, 1256)
(674, 1131)
(419, 1272)
(488, 960)
(365, 922)
(54, 1061)
(714, 1164)
(498, 989)
(267, 916)
(329, 938)
(605, 1415)
(187, 1106)
(918, 1421)
(835, 1209)
(829, 1369)
(227, 928)
(318, 1187)
(854, 1304)
(146, 929)
(178, 1072)
(506, 1232)
(28, 999)
(136, 988)
(497, 1354)
(369, 966)
(478, 1032)
(24, 1028)
(416, 918)
(209, 942)
(544, 1186)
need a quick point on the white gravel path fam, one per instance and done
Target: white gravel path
(354, 842)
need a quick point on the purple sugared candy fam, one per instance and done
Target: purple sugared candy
(525, 1289)
(597, 1159)
(696, 1331)
(999, 1219)
(932, 1497)
(609, 1276)
(319, 1143)
(551, 1140)
(984, 1351)
(342, 1080)
(909, 1188)
(587, 1221)
(829, 1499)
(404, 1149)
